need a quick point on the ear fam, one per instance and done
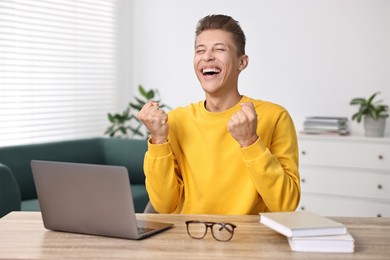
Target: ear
(243, 62)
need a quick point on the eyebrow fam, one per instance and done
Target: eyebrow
(214, 45)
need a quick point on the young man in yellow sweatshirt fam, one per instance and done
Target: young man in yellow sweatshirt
(229, 154)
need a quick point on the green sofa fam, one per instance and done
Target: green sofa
(17, 188)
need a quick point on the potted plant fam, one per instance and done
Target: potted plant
(373, 113)
(126, 124)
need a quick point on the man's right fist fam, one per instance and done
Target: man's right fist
(155, 120)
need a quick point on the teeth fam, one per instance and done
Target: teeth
(208, 70)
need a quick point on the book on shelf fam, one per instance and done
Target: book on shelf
(323, 244)
(325, 125)
(332, 125)
(327, 119)
(301, 224)
(324, 132)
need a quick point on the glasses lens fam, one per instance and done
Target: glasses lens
(222, 232)
(196, 229)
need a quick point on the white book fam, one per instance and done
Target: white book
(301, 223)
(323, 244)
(327, 119)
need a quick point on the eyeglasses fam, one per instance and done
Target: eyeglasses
(220, 231)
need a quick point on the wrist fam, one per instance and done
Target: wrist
(158, 139)
(249, 142)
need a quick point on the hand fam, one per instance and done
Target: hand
(243, 125)
(155, 120)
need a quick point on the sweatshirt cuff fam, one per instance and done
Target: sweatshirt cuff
(159, 150)
(251, 152)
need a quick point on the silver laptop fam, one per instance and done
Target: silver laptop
(89, 199)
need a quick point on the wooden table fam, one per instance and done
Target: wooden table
(22, 236)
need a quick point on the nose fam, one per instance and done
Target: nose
(208, 55)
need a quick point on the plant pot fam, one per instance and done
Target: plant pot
(374, 127)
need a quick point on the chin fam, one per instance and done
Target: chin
(210, 87)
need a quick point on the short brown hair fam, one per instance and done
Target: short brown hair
(226, 23)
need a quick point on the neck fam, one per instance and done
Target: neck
(219, 104)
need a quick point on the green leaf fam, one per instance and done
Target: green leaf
(357, 116)
(373, 114)
(150, 95)
(146, 94)
(142, 90)
(370, 99)
(135, 106)
(357, 101)
(109, 129)
(123, 130)
(136, 131)
(140, 102)
(111, 118)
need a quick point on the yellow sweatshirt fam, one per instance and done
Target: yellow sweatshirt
(203, 170)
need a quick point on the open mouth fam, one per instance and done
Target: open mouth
(210, 71)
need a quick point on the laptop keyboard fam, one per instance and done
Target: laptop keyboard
(143, 230)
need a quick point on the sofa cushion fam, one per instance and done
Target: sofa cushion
(140, 197)
(30, 205)
(126, 152)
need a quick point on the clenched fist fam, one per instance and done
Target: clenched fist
(243, 125)
(155, 120)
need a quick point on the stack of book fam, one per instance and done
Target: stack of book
(325, 125)
(309, 232)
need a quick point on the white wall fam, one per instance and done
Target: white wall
(311, 56)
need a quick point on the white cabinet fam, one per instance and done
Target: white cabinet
(345, 175)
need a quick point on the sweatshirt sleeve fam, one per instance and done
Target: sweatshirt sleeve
(163, 181)
(274, 169)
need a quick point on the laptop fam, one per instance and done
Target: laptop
(89, 199)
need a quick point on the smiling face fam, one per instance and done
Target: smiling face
(217, 63)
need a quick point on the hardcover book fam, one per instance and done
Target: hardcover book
(323, 244)
(301, 223)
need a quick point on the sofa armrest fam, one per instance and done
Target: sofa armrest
(10, 198)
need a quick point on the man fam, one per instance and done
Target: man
(229, 154)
